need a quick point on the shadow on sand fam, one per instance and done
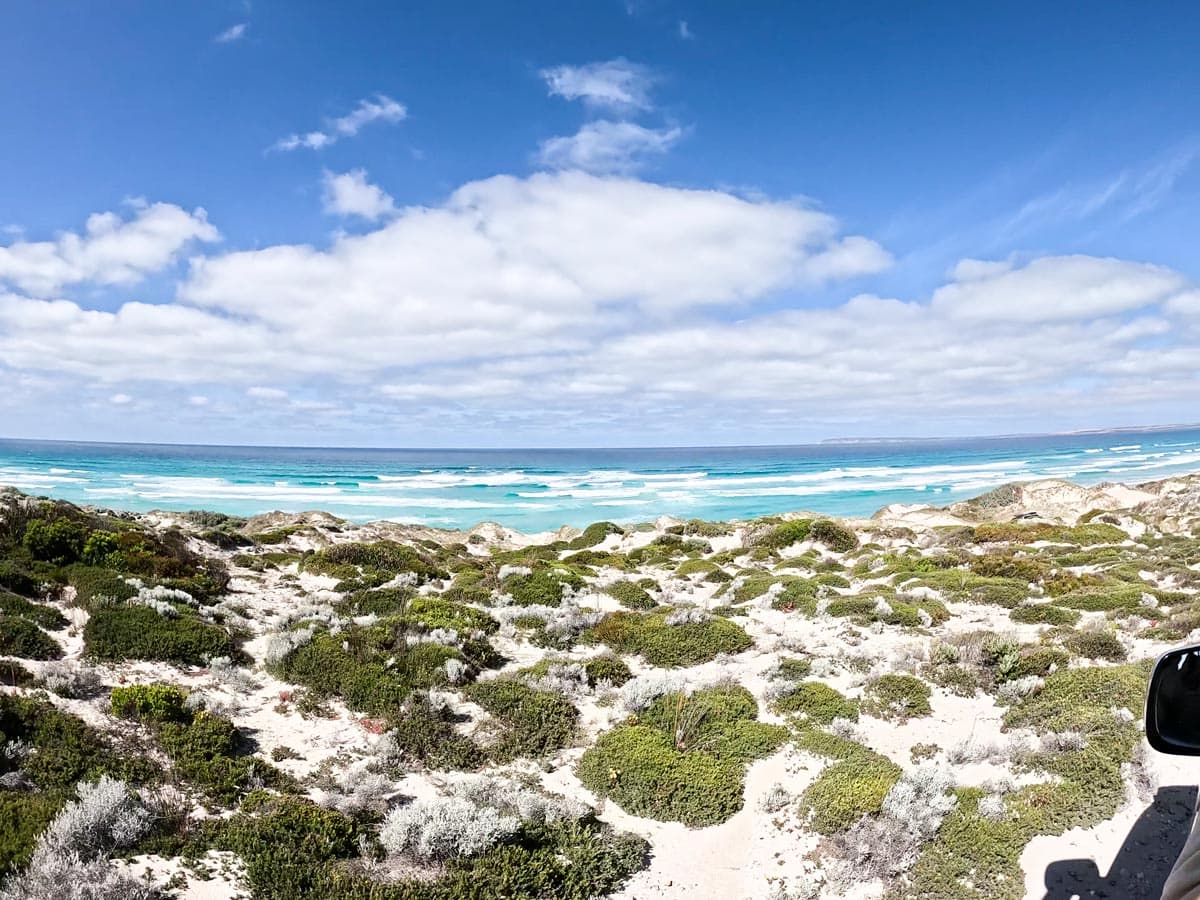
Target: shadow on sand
(1144, 860)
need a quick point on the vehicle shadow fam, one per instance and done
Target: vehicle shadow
(1144, 860)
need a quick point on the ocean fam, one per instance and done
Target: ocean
(536, 490)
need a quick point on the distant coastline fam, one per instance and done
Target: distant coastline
(541, 490)
(1123, 429)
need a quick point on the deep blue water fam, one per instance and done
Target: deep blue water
(535, 490)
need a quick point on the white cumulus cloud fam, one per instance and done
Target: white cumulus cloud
(350, 194)
(111, 250)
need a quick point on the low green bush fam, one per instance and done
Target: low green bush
(593, 535)
(607, 668)
(286, 843)
(1044, 614)
(354, 666)
(639, 768)
(14, 674)
(20, 637)
(846, 791)
(817, 703)
(383, 557)
(541, 587)
(669, 646)
(151, 703)
(431, 612)
(98, 587)
(426, 735)
(1096, 644)
(17, 575)
(137, 632)
(206, 752)
(683, 759)
(379, 602)
(204, 749)
(534, 723)
(23, 816)
(293, 849)
(39, 614)
(67, 750)
(834, 535)
(896, 697)
(783, 535)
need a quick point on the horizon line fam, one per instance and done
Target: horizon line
(1118, 429)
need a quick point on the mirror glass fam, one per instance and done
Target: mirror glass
(1173, 708)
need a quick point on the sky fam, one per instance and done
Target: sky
(604, 223)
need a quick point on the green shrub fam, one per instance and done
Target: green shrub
(593, 535)
(14, 674)
(44, 616)
(59, 541)
(962, 586)
(818, 703)
(138, 632)
(67, 750)
(794, 669)
(360, 675)
(294, 849)
(1096, 644)
(534, 723)
(683, 758)
(669, 646)
(541, 587)
(1044, 614)
(897, 697)
(606, 668)
(639, 768)
(286, 843)
(16, 575)
(835, 536)
(720, 721)
(1036, 661)
(431, 612)
(152, 703)
(846, 791)
(20, 637)
(785, 534)
(379, 602)
(383, 557)
(97, 587)
(22, 818)
(427, 736)
(205, 751)
(1007, 565)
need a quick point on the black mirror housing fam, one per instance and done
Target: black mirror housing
(1173, 703)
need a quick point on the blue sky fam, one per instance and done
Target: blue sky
(608, 223)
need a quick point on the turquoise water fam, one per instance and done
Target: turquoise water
(535, 490)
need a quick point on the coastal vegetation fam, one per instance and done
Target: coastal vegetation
(298, 707)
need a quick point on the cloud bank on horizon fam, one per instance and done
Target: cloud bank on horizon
(585, 300)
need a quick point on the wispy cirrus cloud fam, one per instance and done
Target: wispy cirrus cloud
(615, 84)
(380, 108)
(1122, 195)
(232, 33)
(607, 147)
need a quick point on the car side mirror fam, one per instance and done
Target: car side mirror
(1173, 703)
